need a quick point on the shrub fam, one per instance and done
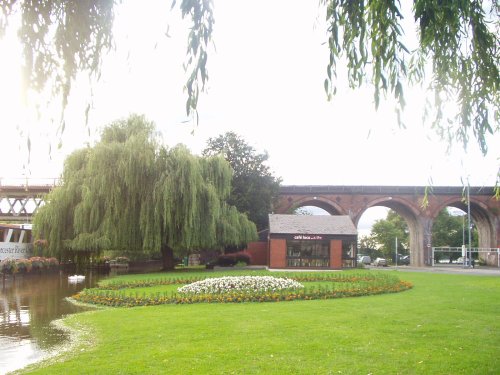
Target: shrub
(39, 246)
(243, 258)
(226, 260)
(8, 266)
(23, 265)
(231, 259)
(38, 263)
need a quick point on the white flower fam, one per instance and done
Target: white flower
(229, 284)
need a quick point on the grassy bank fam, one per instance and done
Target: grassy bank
(446, 324)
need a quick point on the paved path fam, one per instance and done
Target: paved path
(485, 271)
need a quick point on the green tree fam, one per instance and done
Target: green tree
(447, 230)
(451, 231)
(254, 188)
(458, 45)
(130, 193)
(385, 232)
(367, 245)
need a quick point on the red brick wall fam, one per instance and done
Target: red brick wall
(258, 253)
(277, 253)
(336, 254)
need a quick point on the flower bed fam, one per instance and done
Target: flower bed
(25, 266)
(337, 277)
(349, 286)
(244, 284)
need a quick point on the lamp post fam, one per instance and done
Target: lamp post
(396, 251)
(463, 229)
(468, 226)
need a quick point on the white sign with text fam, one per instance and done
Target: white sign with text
(15, 250)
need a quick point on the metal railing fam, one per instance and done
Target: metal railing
(28, 181)
(491, 256)
(21, 197)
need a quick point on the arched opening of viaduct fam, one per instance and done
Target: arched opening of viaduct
(408, 202)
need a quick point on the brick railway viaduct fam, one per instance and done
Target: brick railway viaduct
(18, 203)
(407, 201)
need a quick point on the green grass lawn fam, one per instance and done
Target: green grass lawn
(446, 324)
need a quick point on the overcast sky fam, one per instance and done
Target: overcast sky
(266, 84)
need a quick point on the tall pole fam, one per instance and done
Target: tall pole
(463, 230)
(396, 251)
(468, 222)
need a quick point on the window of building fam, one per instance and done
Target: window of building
(308, 253)
(348, 254)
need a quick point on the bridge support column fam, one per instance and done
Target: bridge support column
(421, 242)
(496, 225)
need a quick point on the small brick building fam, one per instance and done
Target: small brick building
(302, 241)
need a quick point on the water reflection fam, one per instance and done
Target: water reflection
(27, 306)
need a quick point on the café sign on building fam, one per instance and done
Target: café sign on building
(304, 241)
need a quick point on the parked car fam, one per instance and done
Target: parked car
(380, 262)
(365, 259)
(403, 260)
(465, 261)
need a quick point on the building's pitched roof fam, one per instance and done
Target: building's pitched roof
(316, 224)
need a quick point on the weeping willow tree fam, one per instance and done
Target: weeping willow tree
(130, 193)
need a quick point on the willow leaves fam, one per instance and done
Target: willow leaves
(129, 193)
(458, 43)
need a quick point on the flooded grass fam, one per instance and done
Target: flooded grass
(28, 306)
(445, 324)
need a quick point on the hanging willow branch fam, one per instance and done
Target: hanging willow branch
(458, 38)
(201, 14)
(60, 39)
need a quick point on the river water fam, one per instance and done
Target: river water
(28, 305)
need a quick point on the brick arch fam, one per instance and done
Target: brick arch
(479, 207)
(330, 206)
(407, 210)
(394, 203)
(481, 216)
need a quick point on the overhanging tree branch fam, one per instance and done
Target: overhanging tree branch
(459, 39)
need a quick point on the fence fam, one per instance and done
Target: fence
(458, 256)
